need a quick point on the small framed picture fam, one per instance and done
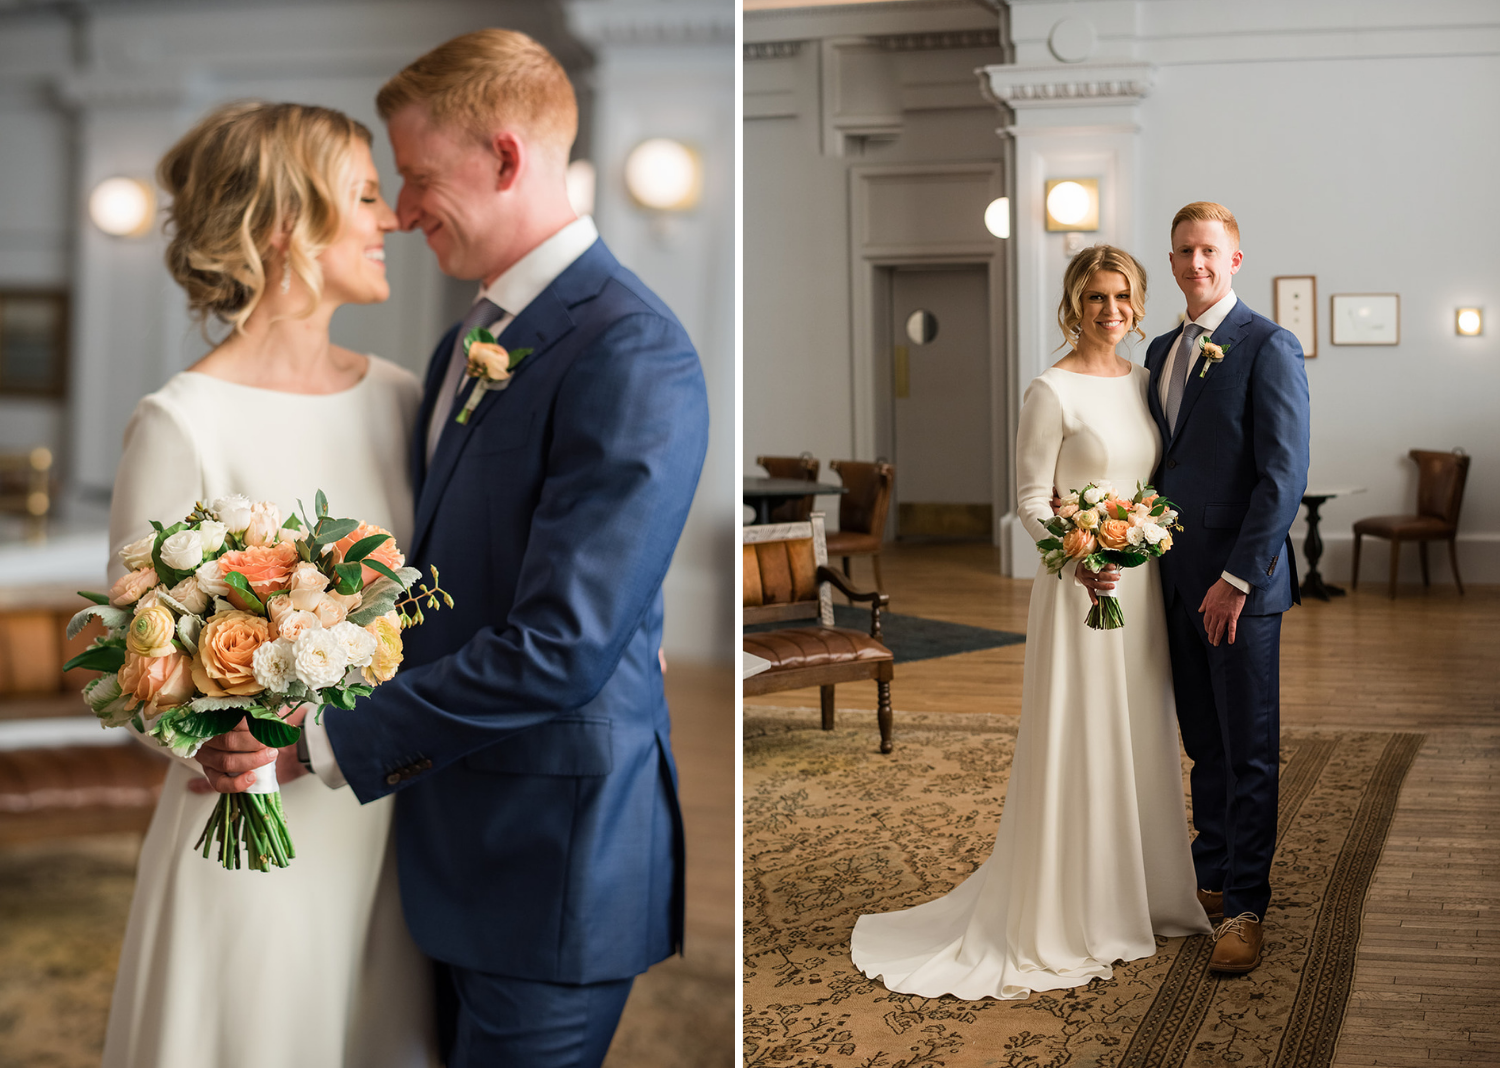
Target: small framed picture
(1366, 319)
(33, 343)
(1295, 306)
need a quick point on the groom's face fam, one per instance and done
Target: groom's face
(1204, 261)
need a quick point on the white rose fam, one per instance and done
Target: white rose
(211, 534)
(234, 512)
(210, 579)
(1093, 495)
(1153, 532)
(358, 644)
(183, 551)
(295, 624)
(1135, 535)
(137, 554)
(190, 594)
(1106, 488)
(274, 665)
(319, 658)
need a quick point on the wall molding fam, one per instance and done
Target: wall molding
(772, 50)
(1052, 85)
(618, 24)
(940, 40)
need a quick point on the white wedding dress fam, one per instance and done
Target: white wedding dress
(309, 965)
(1092, 855)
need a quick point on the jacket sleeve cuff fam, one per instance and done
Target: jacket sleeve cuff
(1238, 583)
(325, 764)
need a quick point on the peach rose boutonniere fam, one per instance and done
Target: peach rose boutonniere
(489, 364)
(1213, 353)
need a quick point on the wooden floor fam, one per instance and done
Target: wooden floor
(1427, 982)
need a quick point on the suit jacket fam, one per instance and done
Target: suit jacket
(1237, 465)
(537, 827)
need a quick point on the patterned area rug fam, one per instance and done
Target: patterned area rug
(912, 637)
(832, 830)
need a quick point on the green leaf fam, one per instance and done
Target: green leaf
(379, 598)
(361, 690)
(365, 546)
(97, 598)
(479, 334)
(99, 658)
(329, 531)
(350, 577)
(220, 704)
(239, 582)
(273, 732)
(376, 565)
(320, 502)
(209, 724)
(292, 522)
(1047, 545)
(516, 356)
(338, 697)
(113, 618)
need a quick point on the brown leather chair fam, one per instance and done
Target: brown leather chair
(787, 579)
(1440, 496)
(803, 467)
(862, 512)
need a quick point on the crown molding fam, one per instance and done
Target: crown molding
(941, 40)
(772, 50)
(613, 23)
(1055, 85)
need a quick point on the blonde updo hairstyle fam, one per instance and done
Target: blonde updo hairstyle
(246, 174)
(1083, 267)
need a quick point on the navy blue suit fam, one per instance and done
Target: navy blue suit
(538, 831)
(1236, 468)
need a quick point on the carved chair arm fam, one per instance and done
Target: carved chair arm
(876, 600)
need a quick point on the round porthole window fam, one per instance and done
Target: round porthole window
(921, 326)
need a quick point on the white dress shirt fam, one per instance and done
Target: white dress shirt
(527, 278)
(1210, 321)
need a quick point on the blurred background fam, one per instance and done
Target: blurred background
(91, 94)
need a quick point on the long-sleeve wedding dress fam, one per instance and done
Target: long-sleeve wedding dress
(309, 966)
(1092, 854)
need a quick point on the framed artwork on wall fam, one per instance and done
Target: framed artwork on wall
(1295, 306)
(33, 343)
(1365, 319)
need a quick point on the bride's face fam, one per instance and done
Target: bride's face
(354, 265)
(1107, 315)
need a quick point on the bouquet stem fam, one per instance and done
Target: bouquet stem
(1107, 614)
(253, 819)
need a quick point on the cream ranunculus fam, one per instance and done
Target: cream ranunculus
(183, 551)
(233, 512)
(137, 554)
(190, 594)
(1087, 519)
(265, 524)
(151, 632)
(319, 658)
(211, 534)
(388, 651)
(211, 579)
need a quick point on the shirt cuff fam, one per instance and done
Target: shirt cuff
(320, 752)
(1238, 583)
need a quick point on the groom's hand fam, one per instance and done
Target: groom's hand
(1221, 611)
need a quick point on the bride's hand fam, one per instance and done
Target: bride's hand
(229, 759)
(1102, 582)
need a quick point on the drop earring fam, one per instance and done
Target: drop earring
(286, 277)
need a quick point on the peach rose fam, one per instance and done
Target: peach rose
(158, 682)
(388, 651)
(292, 625)
(128, 589)
(265, 524)
(1115, 508)
(1078, 544)
(267, 568)
(1114, 534)
(224, 664)
(488, 361)
(151, 632)
(330, 608)
(385, 553)
(1149, 500)
(1068, 510)
(277, 609)
(306, 576)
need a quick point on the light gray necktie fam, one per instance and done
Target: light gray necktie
(1177, 384)
(484, 313)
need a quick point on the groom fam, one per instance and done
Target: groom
(537, 825)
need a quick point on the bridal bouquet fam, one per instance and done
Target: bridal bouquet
(233, 614)
(1099, 527)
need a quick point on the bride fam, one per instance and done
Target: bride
(1092, 858)
(276, 220)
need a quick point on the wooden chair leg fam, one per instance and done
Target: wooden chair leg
(1395, 564)
(1422, 555)
(879, 582)
(826, 693)
(883, 716)
(1354, 578)
(1453, 561)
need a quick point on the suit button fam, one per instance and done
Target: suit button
(424, 765)
(392, 779)
(1171, 464)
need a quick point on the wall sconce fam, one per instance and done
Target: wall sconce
(664, 175)
(123, 207)
(1072, 204)
(1469, 322)
(997, 217)
(581, 182)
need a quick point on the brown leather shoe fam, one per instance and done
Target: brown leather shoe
(1212, 902)
(1237, 945)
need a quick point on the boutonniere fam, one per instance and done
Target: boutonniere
(489, 364)
(1212, 353)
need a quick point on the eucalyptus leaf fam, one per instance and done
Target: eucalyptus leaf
(320, 502)
(329, 531)
(113, 618)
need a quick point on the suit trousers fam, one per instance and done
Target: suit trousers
(1229, 710)
(485, 1021)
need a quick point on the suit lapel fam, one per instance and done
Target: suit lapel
(1155, 358)
(436, 368)
(1228, 333)
(539, 327)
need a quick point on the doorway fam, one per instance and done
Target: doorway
(941, 402)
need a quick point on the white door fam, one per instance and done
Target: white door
(941, 395)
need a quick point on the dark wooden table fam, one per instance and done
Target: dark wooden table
(767, 494)
(1313, 584)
